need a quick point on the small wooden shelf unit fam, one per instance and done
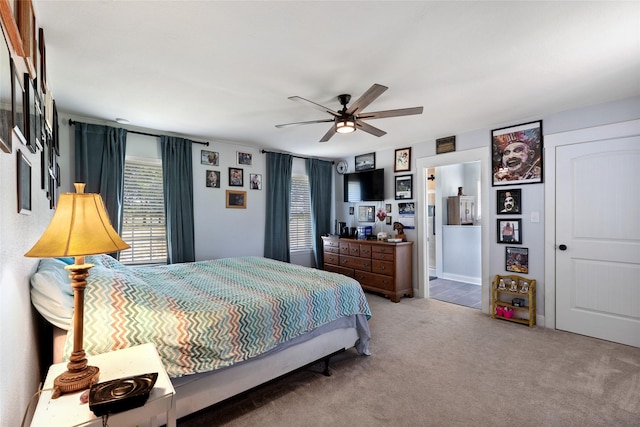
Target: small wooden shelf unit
(503, 297)
(379, 266)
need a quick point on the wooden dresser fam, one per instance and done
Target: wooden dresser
(379, 266)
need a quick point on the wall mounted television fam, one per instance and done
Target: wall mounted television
(365, 186)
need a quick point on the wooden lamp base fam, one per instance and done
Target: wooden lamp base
(77, 377)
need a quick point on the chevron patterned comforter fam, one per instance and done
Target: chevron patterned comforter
(210, 314)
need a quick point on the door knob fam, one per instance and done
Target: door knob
(562, 247)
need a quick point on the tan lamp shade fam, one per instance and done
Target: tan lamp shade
(80, 226)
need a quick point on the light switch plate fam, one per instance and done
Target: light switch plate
(535, 216)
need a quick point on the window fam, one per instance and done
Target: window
(143, 221)
(300, 216)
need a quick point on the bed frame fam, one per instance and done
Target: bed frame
(196, 392)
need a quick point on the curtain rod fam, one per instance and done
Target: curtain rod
(293, 155)
(71, 122)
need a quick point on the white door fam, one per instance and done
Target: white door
(598, 239)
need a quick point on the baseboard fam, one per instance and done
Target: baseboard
(460, 278)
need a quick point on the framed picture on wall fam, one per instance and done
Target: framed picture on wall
(210, 158)
(24, 184)
(366, 213)
(236, 199)
(245, 159)
(17, 103)
(404, 187)
(236, 177)
(6, 115)
(509, 201)
(517, 154)
(255, 181)
(510, 230)
(365, 161)
(402, 161)
(213, 179)
(517, 259)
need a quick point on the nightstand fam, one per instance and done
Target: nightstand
(67, 410)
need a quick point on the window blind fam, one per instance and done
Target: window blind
(143, 221)
(300, 214)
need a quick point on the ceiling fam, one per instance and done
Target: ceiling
(223, 70)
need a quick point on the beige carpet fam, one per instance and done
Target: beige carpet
(440, 364)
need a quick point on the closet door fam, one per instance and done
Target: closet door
(598, 239)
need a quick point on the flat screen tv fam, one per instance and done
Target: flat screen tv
(365, 186)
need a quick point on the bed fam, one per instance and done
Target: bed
(221, 327)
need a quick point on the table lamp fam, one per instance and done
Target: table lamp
(80, 226)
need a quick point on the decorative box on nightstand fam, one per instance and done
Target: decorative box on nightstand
(67, 410)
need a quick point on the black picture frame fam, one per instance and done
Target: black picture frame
(516, 259)
(517, 154)
(403, 187)
(365, 162)
(236, 177)
(24, 184)
(509, 202)
(30, 113)
(509, 230)
(402, 160)
(6, 112)
(17, 103)
(209, 158)
(212, 179)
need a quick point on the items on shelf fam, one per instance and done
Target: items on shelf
(513, 298)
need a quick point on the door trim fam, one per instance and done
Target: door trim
(551, 142)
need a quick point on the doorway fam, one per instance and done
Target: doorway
(429, 224)
(455, 257)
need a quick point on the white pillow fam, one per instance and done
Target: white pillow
(51, 292)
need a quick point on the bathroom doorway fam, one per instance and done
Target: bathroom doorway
(454, 256)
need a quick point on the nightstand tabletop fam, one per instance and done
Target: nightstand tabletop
(67, 410)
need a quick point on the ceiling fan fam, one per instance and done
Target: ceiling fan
(348, 119)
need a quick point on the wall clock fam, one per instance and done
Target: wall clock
(342, 167)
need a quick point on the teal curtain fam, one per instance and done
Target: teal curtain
(99, 163)
(177, 177)
(278, 192)
(319, 173)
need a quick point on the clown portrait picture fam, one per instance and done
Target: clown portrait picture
(517, 154)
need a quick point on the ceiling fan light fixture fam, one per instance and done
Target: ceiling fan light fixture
(345, 126)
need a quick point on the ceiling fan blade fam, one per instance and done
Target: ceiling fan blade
(315, 105)
(369, 129)
(390, 113)
(304, 123)
(367, 98)
(327, 136)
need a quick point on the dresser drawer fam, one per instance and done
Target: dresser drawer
(354, 262)
(374, 280)
(329, 243)
(354, 249)
(365, 251)
(331, 258)
(344, 248)
(383, 256)
(331, 249)
(383, 267)
(380, 249)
